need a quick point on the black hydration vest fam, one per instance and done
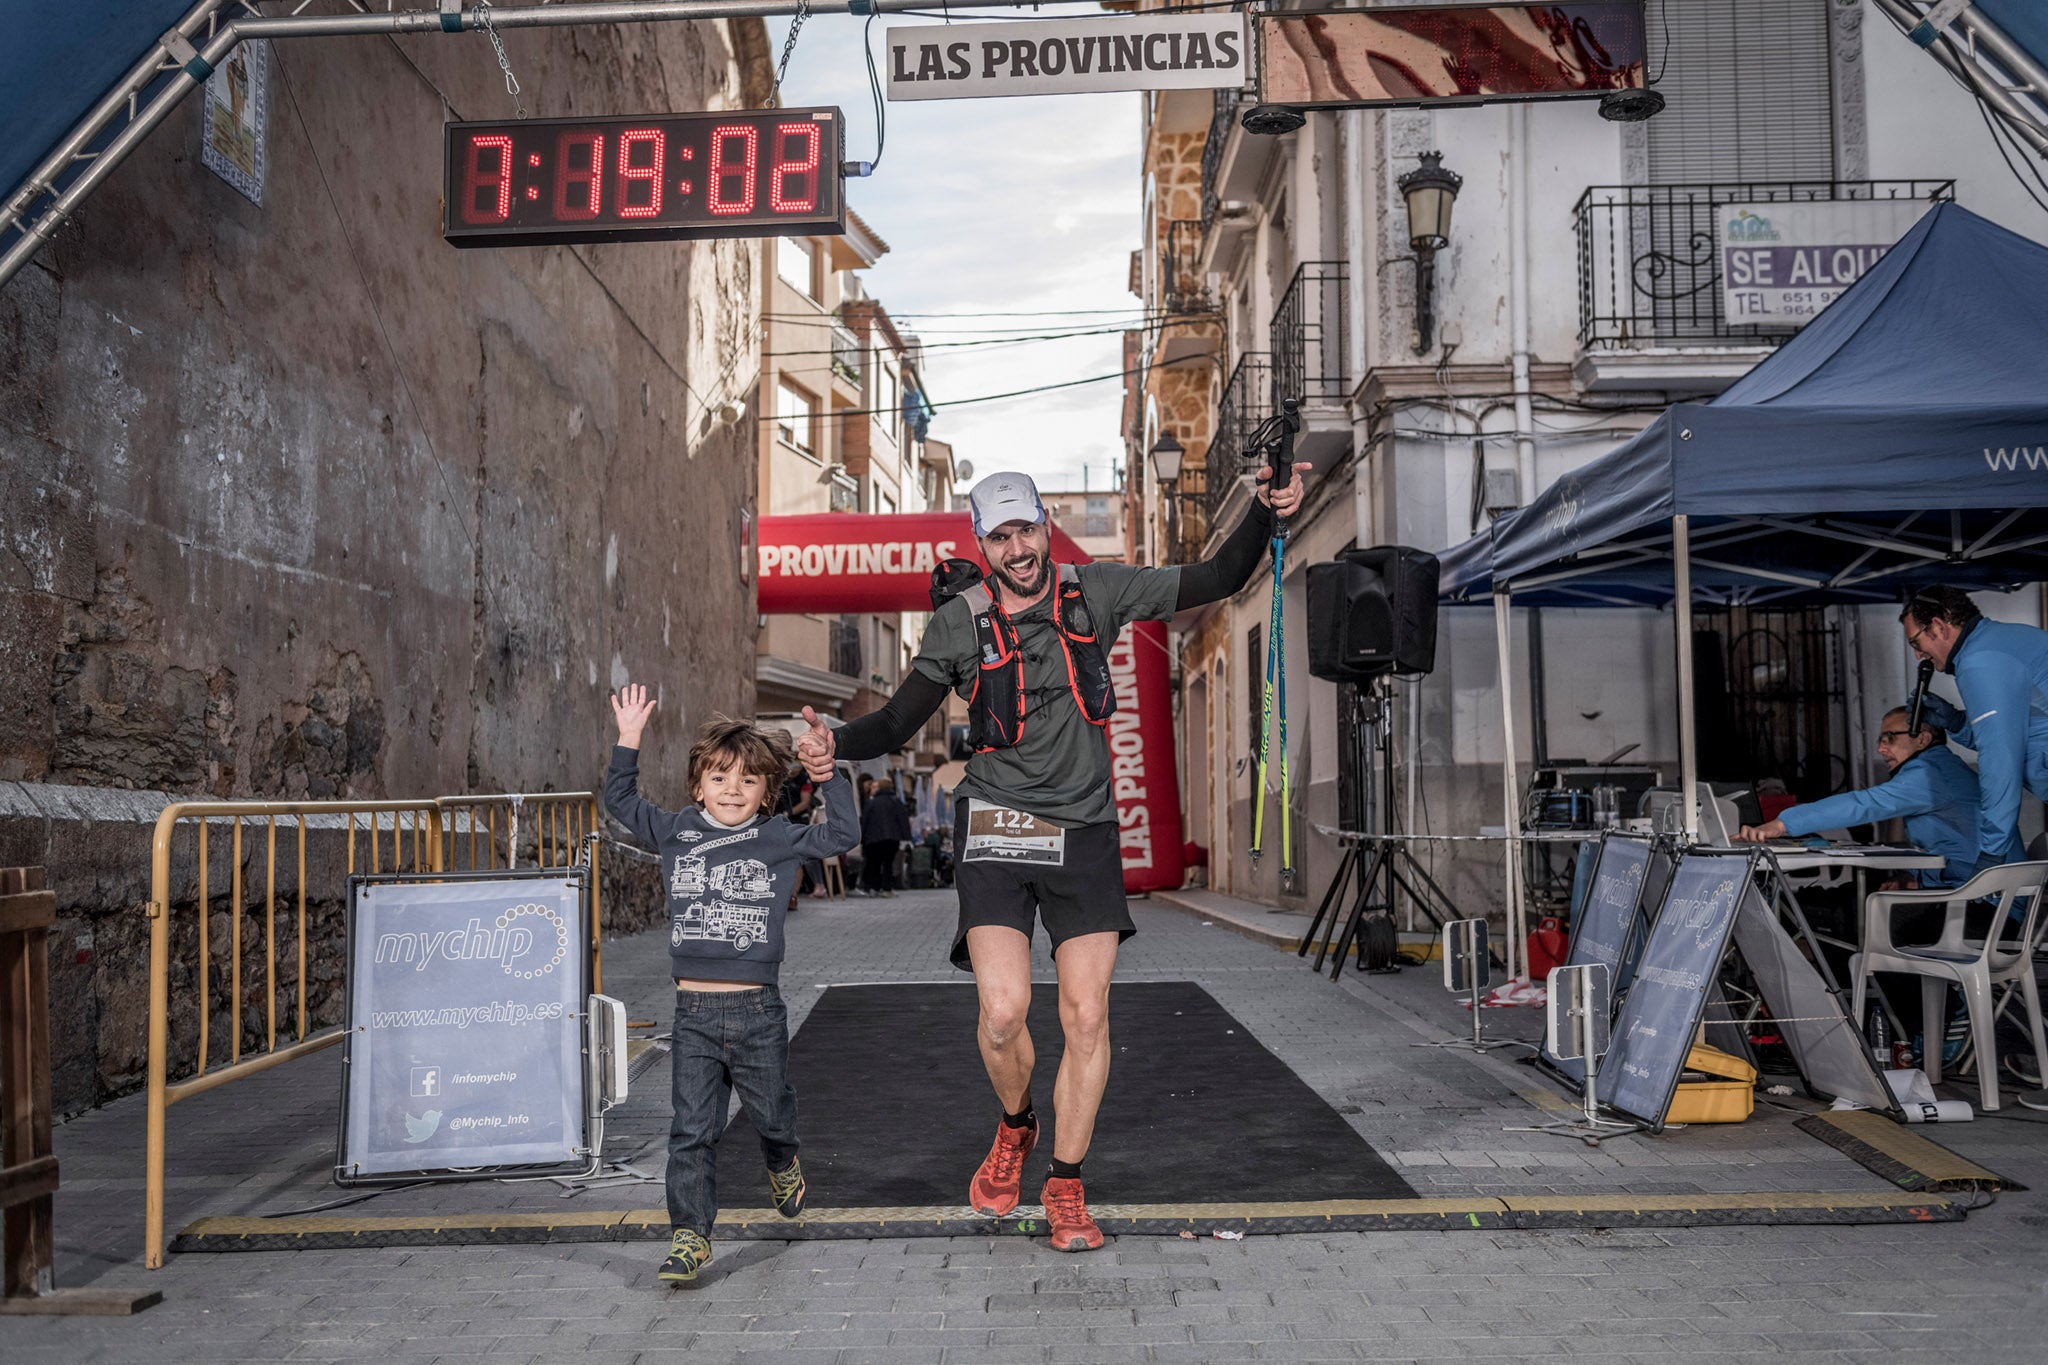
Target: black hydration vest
(996, 710)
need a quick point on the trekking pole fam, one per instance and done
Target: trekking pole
(1280, 460)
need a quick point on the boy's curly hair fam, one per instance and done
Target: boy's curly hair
(723, 742)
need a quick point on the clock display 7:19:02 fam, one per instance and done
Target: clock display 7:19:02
(738, 173)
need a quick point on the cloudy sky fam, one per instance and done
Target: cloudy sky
(995, 206)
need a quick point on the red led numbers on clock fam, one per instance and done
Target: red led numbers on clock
(793, 182)
(579, 176)
(735, 148)
(656, 177)
(495, 184)
(640, 160)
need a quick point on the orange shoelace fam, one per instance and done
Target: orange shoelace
(1007, 1160)
(1067, 1206)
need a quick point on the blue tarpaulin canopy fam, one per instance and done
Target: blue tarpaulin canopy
(60, 60)
(1901, 439)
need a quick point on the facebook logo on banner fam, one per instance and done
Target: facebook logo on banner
(426, 1081)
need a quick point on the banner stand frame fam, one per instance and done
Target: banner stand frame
(590, 1162)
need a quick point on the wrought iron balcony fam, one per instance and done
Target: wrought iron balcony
(1247, 401)
(848, 354)
(1183, 289)
(844, 643)
(1308, 334)
(1649, 260)
(1187, 513)
(1229, 104)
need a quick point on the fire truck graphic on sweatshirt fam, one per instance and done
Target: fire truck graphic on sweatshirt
(728, 888)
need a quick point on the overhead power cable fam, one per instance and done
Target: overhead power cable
(988, 342)
(999, 397)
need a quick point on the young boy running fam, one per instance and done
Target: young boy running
(730, 871)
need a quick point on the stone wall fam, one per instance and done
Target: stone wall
(300, 502)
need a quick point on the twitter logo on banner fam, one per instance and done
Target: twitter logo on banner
(421, 1128)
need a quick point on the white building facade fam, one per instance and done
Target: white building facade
(1576, 297)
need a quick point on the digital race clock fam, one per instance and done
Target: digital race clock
(743, 173)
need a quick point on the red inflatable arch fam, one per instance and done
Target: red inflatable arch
(849, 562)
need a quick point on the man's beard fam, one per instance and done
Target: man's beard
(1042, 566)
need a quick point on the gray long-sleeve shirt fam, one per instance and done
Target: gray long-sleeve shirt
(728, 888)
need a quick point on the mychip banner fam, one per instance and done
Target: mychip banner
(1674, 978)
(464, 1049)
(1203, 50)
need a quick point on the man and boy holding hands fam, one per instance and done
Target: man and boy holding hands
(1027, 649)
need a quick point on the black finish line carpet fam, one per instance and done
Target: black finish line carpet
(1204, 1130)
(895, 1108)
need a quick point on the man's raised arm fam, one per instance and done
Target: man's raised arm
(1231, 567)
(878, 732)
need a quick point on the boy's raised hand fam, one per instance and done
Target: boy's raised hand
(631, 706)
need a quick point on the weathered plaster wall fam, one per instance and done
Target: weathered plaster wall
(302, 502)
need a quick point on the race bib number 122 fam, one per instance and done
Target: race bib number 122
(997, 834)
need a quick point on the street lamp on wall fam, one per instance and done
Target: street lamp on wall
(1166, 456)
(1430, 191)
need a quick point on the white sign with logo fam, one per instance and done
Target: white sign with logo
(464, 1042)
(1782, 263)
(1198, 51)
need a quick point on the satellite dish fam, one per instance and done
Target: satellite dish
(963, 470)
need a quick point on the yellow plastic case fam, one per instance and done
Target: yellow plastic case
(1728, 1100)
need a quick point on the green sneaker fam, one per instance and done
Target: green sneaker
(788, 1187)
(688, 1253)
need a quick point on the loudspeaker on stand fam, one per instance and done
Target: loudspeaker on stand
(1372, 612)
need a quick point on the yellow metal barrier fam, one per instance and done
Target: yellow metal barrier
(457, 833)
(557, 829)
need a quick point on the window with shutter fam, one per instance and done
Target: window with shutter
(1747, 92)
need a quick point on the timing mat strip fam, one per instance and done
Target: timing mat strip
(1902, 1156)
(1506, 1213)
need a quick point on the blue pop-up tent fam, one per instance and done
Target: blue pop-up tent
(1900, 440)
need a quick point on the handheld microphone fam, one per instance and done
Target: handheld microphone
(1919, 698)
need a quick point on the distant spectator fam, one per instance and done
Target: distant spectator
(884, 827)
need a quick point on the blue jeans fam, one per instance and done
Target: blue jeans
(725, 1041)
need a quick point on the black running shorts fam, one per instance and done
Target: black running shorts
(1084, 894)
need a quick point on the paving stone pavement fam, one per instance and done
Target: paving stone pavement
(1976, 1290)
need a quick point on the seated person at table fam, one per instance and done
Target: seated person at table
(1930, 788)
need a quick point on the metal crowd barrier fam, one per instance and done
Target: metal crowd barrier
(563, 828)
(446, 834)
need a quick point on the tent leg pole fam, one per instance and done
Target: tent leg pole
(1681, 612)
(1510, 789)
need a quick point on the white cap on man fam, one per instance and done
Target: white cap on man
(1002, 497)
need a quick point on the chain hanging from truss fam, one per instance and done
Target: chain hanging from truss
(803, 12)
(483, 18)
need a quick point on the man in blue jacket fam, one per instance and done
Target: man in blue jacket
(2001, 670)
(1930, 788)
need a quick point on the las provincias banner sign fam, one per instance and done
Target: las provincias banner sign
(1197, 51)
(856, 562)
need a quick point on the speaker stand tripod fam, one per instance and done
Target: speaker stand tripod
(1374, 865)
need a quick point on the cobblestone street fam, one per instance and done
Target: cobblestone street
(1974, 1290)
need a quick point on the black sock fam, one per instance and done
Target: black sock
(1065, 1170)
(1023, 1118)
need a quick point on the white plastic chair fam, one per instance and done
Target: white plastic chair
(2003, 958)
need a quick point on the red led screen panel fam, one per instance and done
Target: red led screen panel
(740, 173)
(1450, 54)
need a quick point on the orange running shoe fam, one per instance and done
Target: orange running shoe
(1066, 1208)
(1000, 1181)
